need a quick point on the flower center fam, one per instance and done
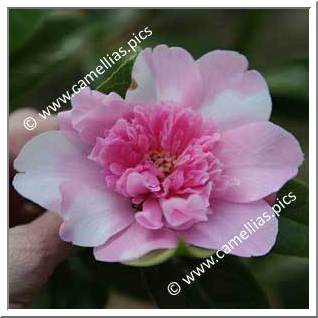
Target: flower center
(162, 160)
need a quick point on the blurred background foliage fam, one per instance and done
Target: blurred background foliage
(50, 50)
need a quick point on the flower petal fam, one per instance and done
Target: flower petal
(166, 74)
(150, 217)
(92, 216)
(182, 213)
(92, 113)
(226, 223)
(135, 242)
(262, 157)
(233, 96)
(141, 183)
(48, 160)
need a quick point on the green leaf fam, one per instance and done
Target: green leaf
(153, 258)
(292, 239)
(284, 278)
(290, 80)
(298, 210)
(78, 282)
(66, 45)
(22, 25)
(159, 256)
(192, 251)
(293, 234)
(227, 284)
(45, 55)
(120, 79)
(199, 252)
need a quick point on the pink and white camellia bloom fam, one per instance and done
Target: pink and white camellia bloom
(189, 155)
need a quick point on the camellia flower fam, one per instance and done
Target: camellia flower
(188, 155)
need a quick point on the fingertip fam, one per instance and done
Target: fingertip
(19, 134)
(45, 234)
(35, 249)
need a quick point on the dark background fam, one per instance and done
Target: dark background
(50, 50)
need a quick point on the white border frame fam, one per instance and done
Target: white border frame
(5, 4)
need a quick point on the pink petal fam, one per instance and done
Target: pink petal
(135, 185)
(229, 220)
(166, 74)
(92, 113)
(92, 216)
(262, 157)
(181, 213)
(65, 125)
(141, 183)
(135, 242)
(150, 217)
(48, 160)
(233, 96)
